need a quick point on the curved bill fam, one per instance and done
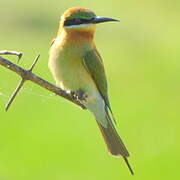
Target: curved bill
(99, 19)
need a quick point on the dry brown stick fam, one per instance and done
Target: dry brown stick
(28, 75)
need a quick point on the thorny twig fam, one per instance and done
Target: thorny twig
(28, 75)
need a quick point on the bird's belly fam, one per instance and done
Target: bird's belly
(71, 75)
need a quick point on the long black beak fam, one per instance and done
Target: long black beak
(99, 19)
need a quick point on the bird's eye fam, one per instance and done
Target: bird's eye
(77, 21)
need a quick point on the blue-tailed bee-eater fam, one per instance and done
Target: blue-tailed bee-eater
(77, 67)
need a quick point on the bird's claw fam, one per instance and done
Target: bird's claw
(80, 95)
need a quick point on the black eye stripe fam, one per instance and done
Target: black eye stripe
(76, 21)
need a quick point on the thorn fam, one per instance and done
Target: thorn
(19, 56)
(21, 83)
(34, 63)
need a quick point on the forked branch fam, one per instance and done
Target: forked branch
(28, 75)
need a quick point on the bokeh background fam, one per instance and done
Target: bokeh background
(46, 137)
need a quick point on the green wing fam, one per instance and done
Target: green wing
(94, 65)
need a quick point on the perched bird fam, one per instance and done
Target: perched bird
(78, 68)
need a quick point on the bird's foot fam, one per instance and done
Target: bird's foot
(79, 95)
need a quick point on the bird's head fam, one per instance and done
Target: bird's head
(81, 19)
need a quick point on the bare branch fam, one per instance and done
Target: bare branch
(28, 75)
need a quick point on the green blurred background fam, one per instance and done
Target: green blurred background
(45, 137)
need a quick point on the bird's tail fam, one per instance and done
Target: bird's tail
(113, 141)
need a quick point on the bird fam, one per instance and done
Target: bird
(77, 68)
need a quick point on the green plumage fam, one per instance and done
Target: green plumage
(96, 69)
(81, 14)
(94, 65)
